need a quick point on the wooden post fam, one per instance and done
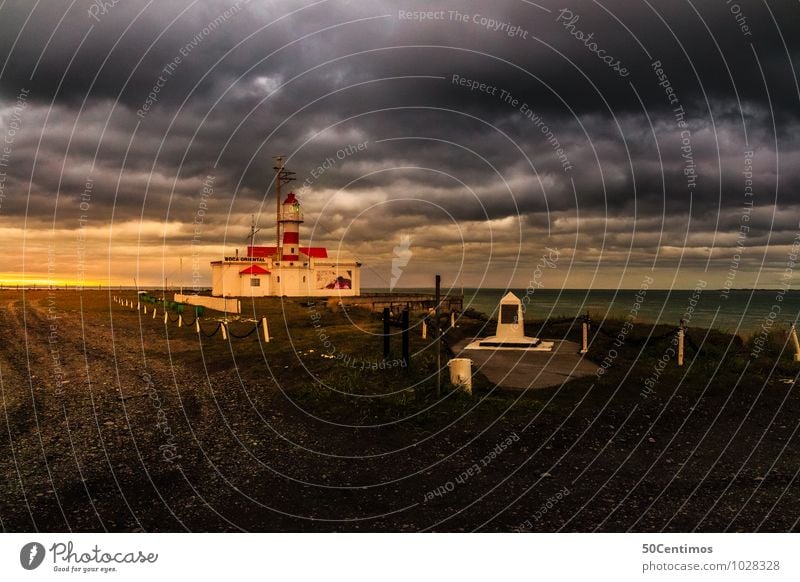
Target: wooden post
(197, 323)
(424, 329)
(166, 316)
(386, 336)
(180, 320)
(224, 330)
(452, 318)
(793, 335)
(406, 357)
(265, 329)
(681, 333)
(584, 336)
(145, 309)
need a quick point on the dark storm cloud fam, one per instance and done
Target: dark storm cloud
(146, 101)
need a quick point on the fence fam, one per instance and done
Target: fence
(221, 327)
(216, 303)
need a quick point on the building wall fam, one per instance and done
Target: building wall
(225, 280)
(324, 273)
(216, 280)
(321, 278)
(291, 280)
(249, 290)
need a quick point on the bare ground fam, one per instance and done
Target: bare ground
(156, 429)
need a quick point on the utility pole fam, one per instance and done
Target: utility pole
(282, 176)
(438, 335)
(253, 230)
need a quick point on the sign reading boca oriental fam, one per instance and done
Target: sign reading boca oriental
(244, 259)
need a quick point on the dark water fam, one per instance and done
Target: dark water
(743, 311)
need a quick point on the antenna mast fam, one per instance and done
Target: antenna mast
(253, 230)
(282, 176)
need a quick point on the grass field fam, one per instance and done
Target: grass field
(114, 421)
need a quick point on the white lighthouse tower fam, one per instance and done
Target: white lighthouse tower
(290, 220)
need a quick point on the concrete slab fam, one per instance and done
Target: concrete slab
(518, 370)
(491, 343)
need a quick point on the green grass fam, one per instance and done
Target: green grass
(350, 387)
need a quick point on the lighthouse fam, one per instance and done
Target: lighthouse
(290, 220)
(286, 269)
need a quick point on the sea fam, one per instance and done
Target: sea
(743, 311)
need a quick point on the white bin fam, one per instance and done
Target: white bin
(461, 373)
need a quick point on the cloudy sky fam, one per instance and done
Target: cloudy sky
(637, 138)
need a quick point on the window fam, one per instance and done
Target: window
(279, 279)
(304, 279)
(508, 314)
(255, 282)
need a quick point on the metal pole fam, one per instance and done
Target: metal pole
(282, 177)
(385, 333)
(279, 168)
(437, 332)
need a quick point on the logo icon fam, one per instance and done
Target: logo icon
(402, 254)
(31, 555)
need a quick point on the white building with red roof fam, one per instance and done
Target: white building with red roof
(288, 270)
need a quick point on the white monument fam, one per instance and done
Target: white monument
(510, 333)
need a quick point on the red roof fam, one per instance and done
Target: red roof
(261, 251)
(254, 270)
(315, 252)
(290, 199)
